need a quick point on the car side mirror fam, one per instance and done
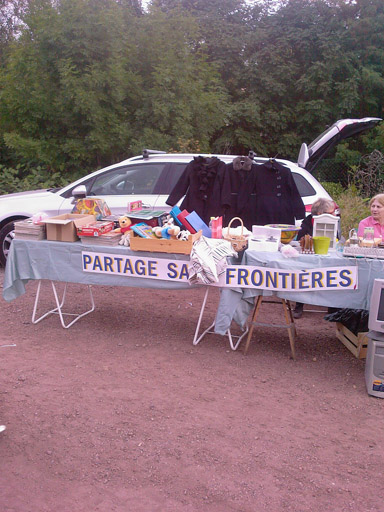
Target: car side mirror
(79, 192)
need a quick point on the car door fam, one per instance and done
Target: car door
(311, 155)
(123, 184)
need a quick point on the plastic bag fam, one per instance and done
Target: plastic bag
(356, 320)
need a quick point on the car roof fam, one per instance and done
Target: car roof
(187, 157)
(159, 156)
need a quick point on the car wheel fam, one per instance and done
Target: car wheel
(6, 236)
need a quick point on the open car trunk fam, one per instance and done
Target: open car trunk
(311, 155)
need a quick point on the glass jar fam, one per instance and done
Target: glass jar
(368, 237)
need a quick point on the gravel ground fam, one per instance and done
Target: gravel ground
(122, 413)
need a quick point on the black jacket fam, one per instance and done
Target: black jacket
(201, 182)
(240, 192)
(278, 200)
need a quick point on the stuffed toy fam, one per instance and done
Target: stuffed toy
(168, 230)
(125, 229)
(183, 235)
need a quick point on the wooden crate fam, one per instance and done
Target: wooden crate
(356, 344)
(137, 243)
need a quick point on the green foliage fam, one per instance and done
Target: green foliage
(353, 206)
(333, 189)
(353, 209)
(84, 83)
(19, 179)
(183, 96)
(66, 89)
(368, 176)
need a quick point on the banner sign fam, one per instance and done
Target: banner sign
(237, 276)
(274, 279)
(135, 266)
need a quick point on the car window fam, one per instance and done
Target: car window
(133, 179)
(178, 170)
(169, 178)
(303, 186)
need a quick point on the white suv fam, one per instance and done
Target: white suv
(151, 177)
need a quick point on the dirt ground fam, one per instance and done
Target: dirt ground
(122, 413)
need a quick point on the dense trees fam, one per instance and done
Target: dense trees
(84, 83)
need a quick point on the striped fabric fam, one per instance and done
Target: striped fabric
(208, 260)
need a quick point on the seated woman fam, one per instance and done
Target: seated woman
(322, 205)
(376, 219)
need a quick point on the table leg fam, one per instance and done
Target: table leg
(59, 305)
(289, 323)
(254, 316)
(209, 330)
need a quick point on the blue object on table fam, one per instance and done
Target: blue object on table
(198, 224)
(174, 213)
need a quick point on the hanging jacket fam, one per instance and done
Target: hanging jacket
(277, 199)
(201, 183)
(240, 191)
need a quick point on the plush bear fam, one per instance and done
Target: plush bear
(125, 229)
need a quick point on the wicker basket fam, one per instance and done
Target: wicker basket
(238, 242)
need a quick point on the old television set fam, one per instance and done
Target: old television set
(376, 308)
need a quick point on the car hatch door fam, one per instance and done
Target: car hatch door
(311, 155)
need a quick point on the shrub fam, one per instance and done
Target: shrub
(368, 176)
(21, 179)
(353, 209)
(333, 189)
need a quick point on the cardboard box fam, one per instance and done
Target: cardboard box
(63, 228)
(96, 228)
(134, 206)
(358, 345)
(137, 243)
(92, 206)
(149, 216)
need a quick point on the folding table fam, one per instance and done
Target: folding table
(62, 262)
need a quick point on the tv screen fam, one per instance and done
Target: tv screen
(376, 309)
(380, 309)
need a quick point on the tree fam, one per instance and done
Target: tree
(67, 90)
(183, 102)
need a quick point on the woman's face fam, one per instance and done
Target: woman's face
(377, 210)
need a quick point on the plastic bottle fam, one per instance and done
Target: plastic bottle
(340, 245)
(210, 226)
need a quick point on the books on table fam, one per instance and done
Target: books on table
(26, 230)
(111, 238)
